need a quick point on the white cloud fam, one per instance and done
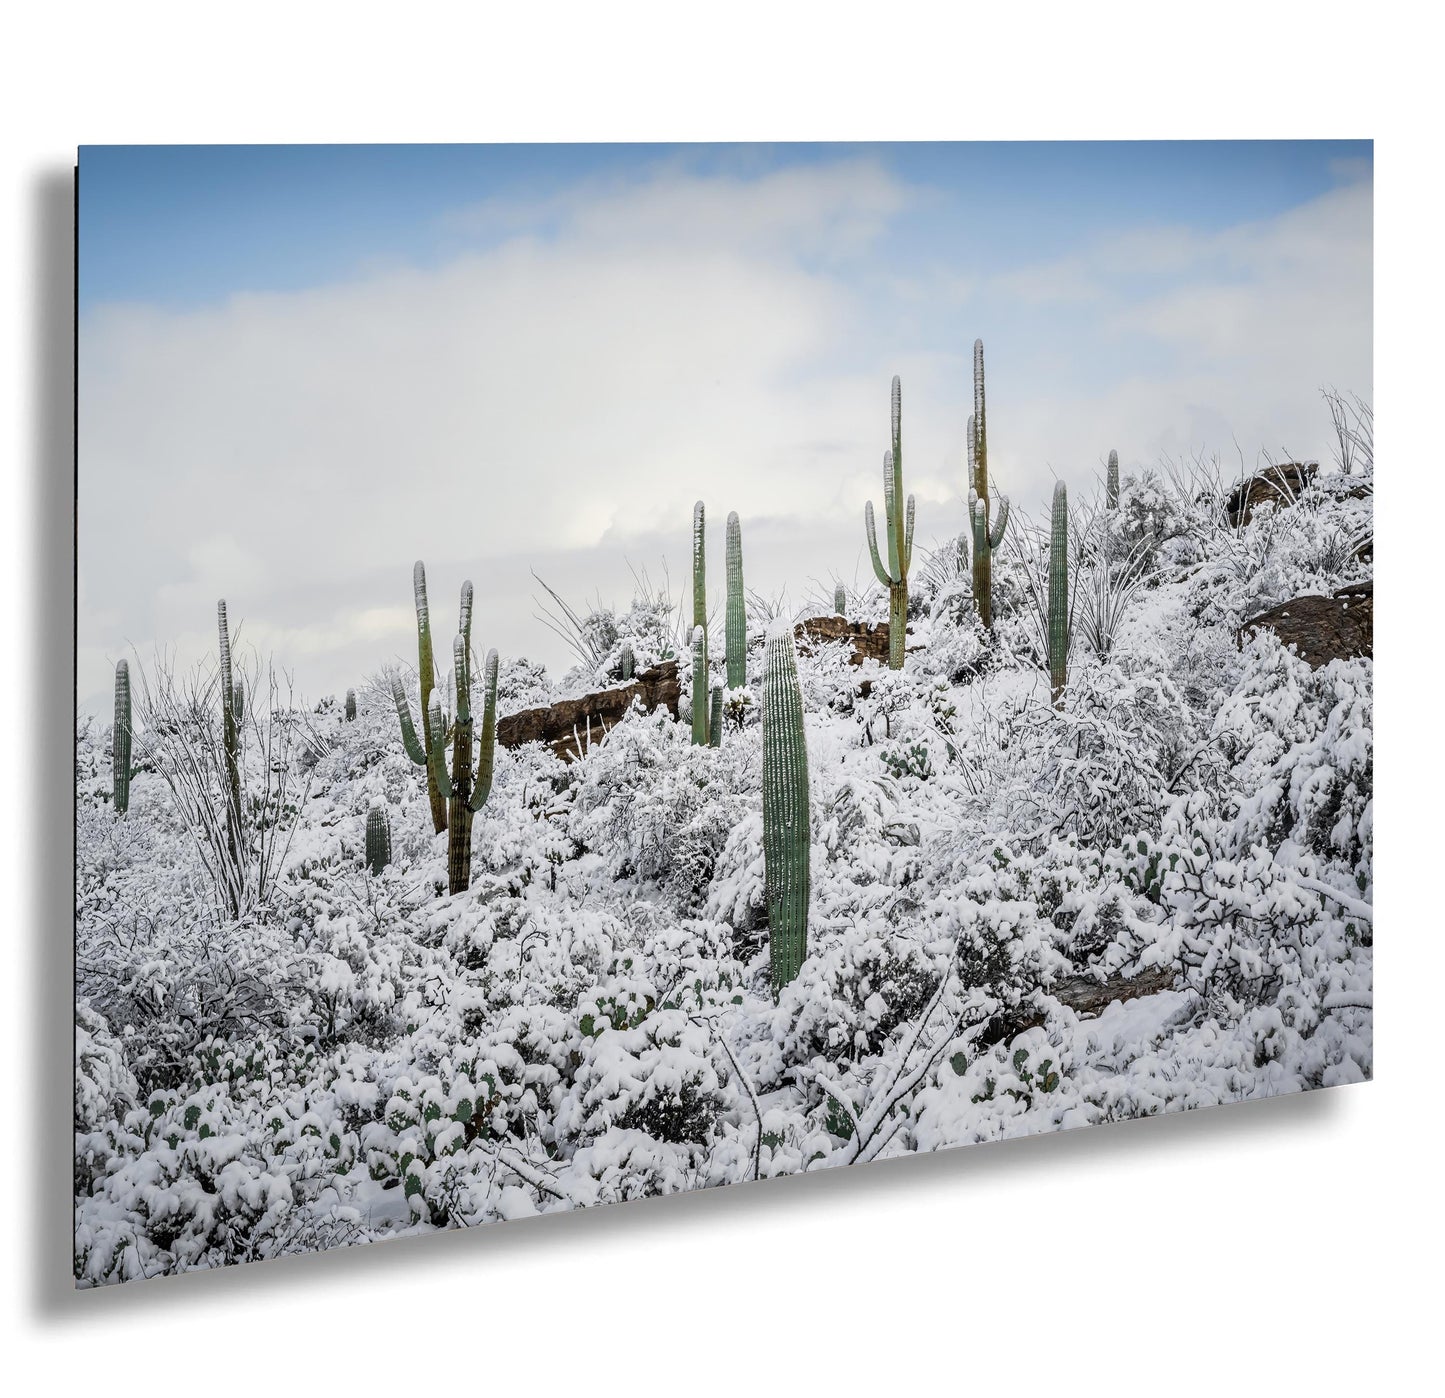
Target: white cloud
(558, 400)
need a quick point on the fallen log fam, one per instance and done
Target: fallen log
(1085, 996)
(571, 726)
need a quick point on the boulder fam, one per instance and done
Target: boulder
(868, 642)
(570, 726)
(1281, 484)
(1322, 629)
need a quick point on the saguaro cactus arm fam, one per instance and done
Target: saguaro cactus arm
(426, 674)
(487, 746)
(699, 686)
(437, 759)
(881, 572)
(414, 749)
(995, 535)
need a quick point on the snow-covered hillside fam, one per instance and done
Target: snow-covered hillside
(358, 1055)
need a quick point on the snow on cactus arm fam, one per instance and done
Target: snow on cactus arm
(786, 827)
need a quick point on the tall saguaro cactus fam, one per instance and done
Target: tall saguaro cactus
(699, 624)
(120, 768)
(987, 535)
(1112, 489)
(1059, 594)
(426, 673)
(378, 841)
(737, 614)
(231, 712)
(786, 834)
(899, 519)
(464, 790)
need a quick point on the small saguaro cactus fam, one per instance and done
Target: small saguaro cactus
(378, 841)
(120, 768)
(627, 663)
(1112, 487)
(426, 674)
(350, 706)
(737, 613)
(840, 599)
(987, 535)
(699, 686)
(899, 519)
(715, 719)
(231, 713)
(1059, 594)
(787, 848)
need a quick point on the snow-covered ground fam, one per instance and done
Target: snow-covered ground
(593, 1021)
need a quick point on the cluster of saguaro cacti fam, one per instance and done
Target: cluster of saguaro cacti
(699, 625)
(232, 709)
(465, 791)
(426, 672)
(899, 520)
(120, 768)
(378, 841)
(786, 835)
(1059, 594)
(737, 608)
(1112, 489)
(840, 600)
(987, 535)
(350, 706)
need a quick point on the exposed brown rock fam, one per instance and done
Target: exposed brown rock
(1322, 629)
(868, 642)
(571, 725)
(1281, 484)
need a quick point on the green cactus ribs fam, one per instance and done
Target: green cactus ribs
(120, 738)
(378, 841)
(699, 625)
(1059, 595)
(987, 534)
(464, 789)
(426, 672)
(737, 610)
(840, 600)
(787, 848)
(899, 519)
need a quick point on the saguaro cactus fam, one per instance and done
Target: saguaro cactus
(1059, 594)
(699, 686)
(231, 712)
(737, 614)
(120, 734)
(987, 535)
(715, 723)
(627, 663)
(899, 520)
(1113, 480)
(840, 600)
(426, 673)
(378, 841)
(350, 706)
(699, 623)
(786, 834)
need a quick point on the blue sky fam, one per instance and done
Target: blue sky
(301, 368)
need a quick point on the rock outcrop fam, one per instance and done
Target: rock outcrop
(570, 726)
(868, 642)
(1282, 484)
(1322, 629)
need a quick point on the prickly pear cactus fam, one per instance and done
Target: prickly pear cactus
(786, 826)
(120, 767)
(737, 613)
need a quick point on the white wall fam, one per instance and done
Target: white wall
(1264, 1248)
